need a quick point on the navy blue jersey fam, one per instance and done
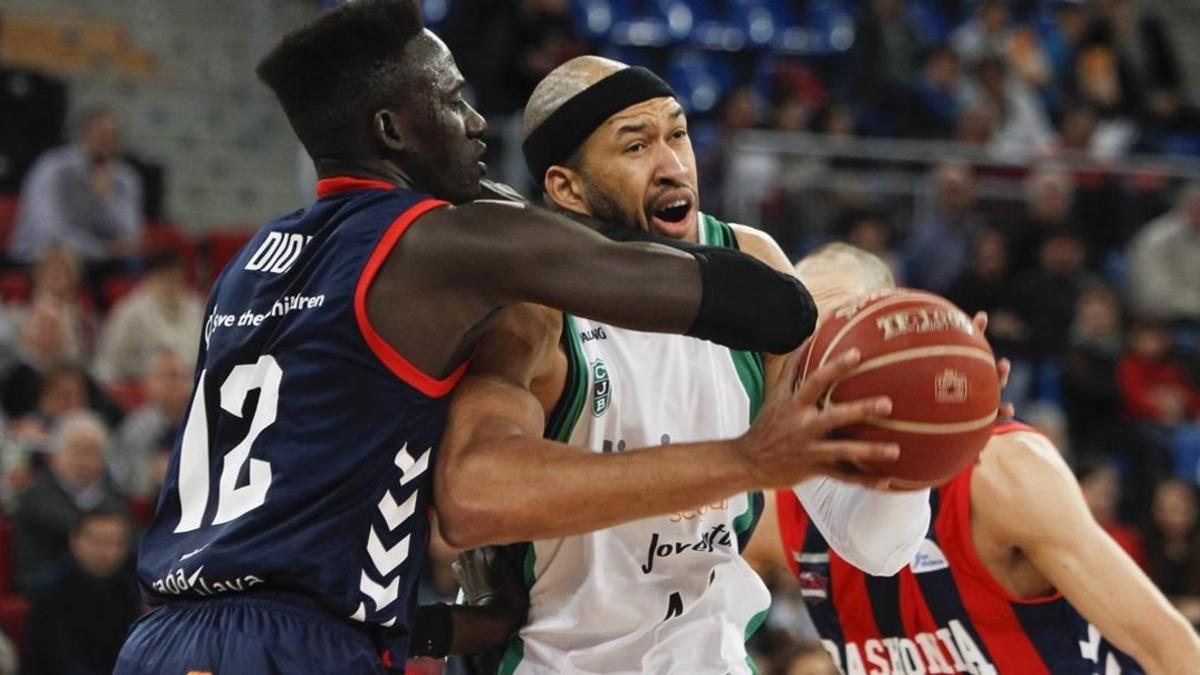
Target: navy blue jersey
(944, 612)
(305, 461)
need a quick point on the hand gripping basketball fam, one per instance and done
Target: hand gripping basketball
(935, 364)
(789, 441)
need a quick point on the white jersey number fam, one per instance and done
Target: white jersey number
(232, 501)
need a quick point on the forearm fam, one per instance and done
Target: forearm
(877, 532)
(1174, 648)
(524, 488)
(478, 629)
(521, 254)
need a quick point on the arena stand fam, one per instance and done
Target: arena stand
(803, 125)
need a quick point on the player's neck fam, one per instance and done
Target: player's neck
(370, 169)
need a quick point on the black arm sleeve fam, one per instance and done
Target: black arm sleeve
(781, 317)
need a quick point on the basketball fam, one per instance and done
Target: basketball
(923, 352)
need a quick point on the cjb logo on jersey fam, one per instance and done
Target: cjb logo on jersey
(601, 388)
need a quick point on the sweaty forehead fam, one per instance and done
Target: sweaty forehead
(432, 62)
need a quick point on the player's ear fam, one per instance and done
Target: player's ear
(387, 131)
(565, 188)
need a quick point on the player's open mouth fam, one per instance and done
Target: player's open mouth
(674, 212)
(672, 209)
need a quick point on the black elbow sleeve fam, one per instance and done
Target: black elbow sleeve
(746, 304)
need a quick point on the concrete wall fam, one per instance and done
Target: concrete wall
(230, 157)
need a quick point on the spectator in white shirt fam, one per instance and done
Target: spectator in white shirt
(1164, 262)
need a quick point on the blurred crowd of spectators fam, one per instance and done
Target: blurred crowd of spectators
(1098, 307)
(97, 345)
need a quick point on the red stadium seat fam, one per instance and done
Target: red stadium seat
(115, 288)
(8, 217)
(162, 237)
(7, 554)
(15, 286)
(14, 610)
(221, 246)
(129, 395)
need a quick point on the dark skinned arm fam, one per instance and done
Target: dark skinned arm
(504, 252)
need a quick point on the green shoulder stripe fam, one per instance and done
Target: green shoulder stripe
(575, 392)
(749, 366)
(716, 233)
(746, 522)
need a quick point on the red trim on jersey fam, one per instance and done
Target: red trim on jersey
(983, 598)
(793, 523)
(915, 614)
(336, 184)
(400, 367)
(851, 593)
(917, 618)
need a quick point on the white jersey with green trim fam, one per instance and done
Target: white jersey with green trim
(668, 594)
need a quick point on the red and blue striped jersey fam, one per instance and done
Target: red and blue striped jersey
(944, 612)
(305, 462)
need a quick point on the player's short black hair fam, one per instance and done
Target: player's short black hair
(332, 74)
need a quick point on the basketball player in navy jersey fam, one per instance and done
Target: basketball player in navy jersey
(293, 521)
(1012, 576)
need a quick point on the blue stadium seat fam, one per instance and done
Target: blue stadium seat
(760, 20)
(699, 78)
(825, 29)
(652, 23)
(932, 26)
(716, 26)
(595, 18)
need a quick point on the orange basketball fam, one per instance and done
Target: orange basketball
(924, 353)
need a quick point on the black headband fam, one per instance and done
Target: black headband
(568, 127)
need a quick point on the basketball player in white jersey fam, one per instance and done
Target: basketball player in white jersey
(670, 592)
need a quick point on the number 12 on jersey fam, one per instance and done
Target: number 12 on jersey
(232, 501)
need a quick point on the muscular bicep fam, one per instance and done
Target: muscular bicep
(488, 408)
(514, 357)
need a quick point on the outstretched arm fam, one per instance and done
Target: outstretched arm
(507, 252)
(493, 457)
(1023, 493)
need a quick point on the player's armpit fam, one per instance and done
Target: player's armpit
(1023, 494)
